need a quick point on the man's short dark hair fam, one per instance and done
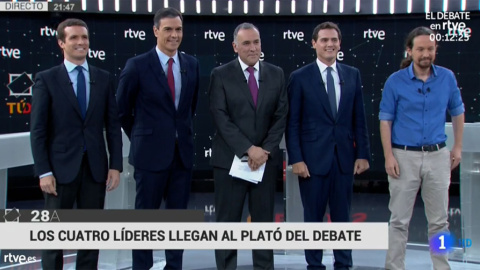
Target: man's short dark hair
(166, 13)
(68, 22)
(326, 25)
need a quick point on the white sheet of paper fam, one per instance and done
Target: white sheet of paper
(241, 170)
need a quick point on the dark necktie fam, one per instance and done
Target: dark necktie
(171, 80)
(252, 84)
(331, 92)
(81, 91)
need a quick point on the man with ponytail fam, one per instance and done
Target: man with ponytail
(413, 109)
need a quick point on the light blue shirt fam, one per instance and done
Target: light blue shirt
(176, 72)
(73, 73)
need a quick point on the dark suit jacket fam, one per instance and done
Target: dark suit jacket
(148, 115)
(239, 125)
(312, 132)
(58, 132)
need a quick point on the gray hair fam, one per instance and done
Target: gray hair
(243, 26)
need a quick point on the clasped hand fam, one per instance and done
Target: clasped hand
(257, 156)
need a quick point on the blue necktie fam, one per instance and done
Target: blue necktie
(81, 91)
(331, 92)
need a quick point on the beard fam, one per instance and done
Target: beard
(425, 63)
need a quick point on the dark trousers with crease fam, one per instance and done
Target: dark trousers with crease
(88, 194)
(171, 185)
(230, 195)
(334, 189)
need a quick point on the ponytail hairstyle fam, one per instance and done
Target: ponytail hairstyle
(419, 31)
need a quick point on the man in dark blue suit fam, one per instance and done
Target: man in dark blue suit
(326, 136)
(157, 96)
(73, 106)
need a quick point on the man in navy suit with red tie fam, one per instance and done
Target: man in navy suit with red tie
(327, 139)
(157, 96)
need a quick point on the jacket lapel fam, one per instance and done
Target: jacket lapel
(241, 81)
(66, 87)
(341, 77)
(262, 79)
(158, 72)
(94, 92)
(318, 86)
(183, 74)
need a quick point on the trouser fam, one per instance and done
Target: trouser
(87, 194)
(171, 185)
(335, 190)
(431, 172)
(230, 195)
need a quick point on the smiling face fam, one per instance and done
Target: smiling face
(169, 35)
(248, 46)
(327, 46)
(76, 44)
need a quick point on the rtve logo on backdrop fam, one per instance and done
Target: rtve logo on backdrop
(134, 34)
(293, 35)
(214, 35)
(10, 52)
(48, 32)
(374, 34)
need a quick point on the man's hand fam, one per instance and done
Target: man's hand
(256, 157)
(300, 169)
(455, 157)
(360, 166)
(113, 179)
(391, 166)
(253, 166)
(48, 185)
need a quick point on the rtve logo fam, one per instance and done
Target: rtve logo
(48, 32)
(214, 35)
(10, 53)
(134, 34)
(96, 54)
(293, 35)
(380, 34)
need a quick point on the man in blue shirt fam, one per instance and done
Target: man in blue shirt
(412, 116)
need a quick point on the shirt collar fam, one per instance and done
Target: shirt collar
(323, 67)
(164, 58)
(245, 66)
(71, 66)
(411, 74)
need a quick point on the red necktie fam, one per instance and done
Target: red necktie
(171, 80)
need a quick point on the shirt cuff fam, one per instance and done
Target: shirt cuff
(458, 110)
(45, 175)
(386, 116)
